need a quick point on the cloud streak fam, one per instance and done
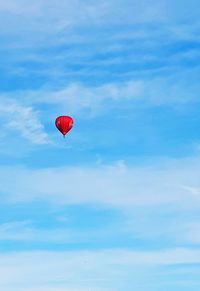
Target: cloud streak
(113, 185)
(24, 120)
(86, 269)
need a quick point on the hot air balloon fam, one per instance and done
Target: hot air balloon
(64, 124)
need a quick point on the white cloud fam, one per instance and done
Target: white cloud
(192, 190)
(113, 185)
(22, 119)
(90, 101)
(149, 200)
(25, 231)
(88, 11)
(33, 20)
(192, 232)
(78, 270)
(125, 11)
(77, 98)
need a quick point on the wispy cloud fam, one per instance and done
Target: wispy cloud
(25, 231)
(88, 269)
(24, 120)
(192, 232)
(113, 185)
(28, 232)
(77, 98)
(148, 200)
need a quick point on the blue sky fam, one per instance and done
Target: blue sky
(114, 206)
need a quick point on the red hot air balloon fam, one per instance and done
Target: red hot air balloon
(64, 124)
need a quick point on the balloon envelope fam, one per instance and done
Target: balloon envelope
(64, 124)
